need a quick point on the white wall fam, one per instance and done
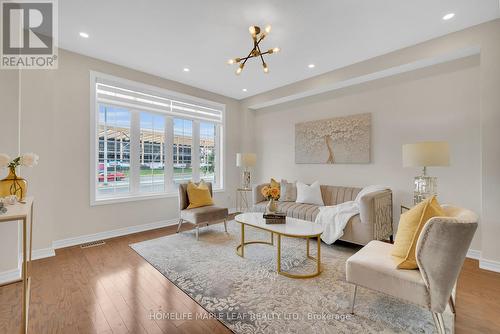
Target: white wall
(56, 111)
(9, 97)
(437, 103)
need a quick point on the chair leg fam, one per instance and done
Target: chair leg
(439, 322)
(454, 311)
(436, 322)
(452, 305)
(354, 298)
(197, 232)
(225, 225)
(179, 225)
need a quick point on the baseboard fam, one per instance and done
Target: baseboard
(111, 234)
(15, 274)
(10, 276)
(42, 253)
(474, 254)
(483, 263)
(489, 265)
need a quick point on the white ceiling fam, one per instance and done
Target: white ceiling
(163, 37)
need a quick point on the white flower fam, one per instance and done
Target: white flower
(29, 159)
(4, 160)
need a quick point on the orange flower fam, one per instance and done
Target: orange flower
(265, 191)
(275, 193)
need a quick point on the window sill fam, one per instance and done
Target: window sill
(135, 198)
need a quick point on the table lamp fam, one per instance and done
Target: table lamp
(425, 154)
(246, 160)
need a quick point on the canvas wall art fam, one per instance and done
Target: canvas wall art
(339, 140)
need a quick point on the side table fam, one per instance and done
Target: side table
(23, 211)
(242, 203)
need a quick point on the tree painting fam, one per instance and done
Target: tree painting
(335, 140)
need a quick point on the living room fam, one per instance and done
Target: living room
(169, 147)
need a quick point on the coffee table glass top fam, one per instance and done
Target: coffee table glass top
(293, 227)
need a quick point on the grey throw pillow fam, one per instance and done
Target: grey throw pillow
(288, 191)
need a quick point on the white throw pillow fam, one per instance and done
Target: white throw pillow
(288, 191)
(309, 194)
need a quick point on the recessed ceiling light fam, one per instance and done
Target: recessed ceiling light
(311, 66)
(448, 16)
(244, 89)
(185, 69)
(84, 35)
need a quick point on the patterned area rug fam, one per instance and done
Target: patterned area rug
(248, 296)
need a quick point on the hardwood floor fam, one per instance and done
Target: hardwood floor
(111, 289)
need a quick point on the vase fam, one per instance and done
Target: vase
(13, 185)
(272, 207)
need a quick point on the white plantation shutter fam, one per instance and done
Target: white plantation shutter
(116, 94)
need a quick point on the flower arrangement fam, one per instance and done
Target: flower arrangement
(13, 185)
(26, 160)
(270, 192)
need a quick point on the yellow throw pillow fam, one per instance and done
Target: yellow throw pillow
(410, 225)
(199, 195)
(274, 184)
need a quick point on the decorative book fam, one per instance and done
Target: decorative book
(275, 218)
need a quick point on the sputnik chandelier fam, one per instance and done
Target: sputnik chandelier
(257, 37)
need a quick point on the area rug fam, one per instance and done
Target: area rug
(248, 296)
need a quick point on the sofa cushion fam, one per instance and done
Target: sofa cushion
(204, 214)
(309, 194)
(333, 195)
(372, 267)
(292, 209)
(198, 195)
(410, 225)
(288, 191)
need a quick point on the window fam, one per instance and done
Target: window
(183, 146)
(207, 151)
(114, 151)
(152, 174)
(146, 140)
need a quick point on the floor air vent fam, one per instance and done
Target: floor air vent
(93, 244)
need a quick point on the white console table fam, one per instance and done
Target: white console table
(23, 212)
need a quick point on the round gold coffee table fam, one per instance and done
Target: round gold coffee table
(294, 228)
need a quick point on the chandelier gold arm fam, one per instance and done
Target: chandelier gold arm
(257, 37)
(262, 58)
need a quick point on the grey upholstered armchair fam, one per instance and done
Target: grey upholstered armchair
(440, 253)
(201, 216)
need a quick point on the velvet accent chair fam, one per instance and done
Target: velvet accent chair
(202, 216)
(440, 253)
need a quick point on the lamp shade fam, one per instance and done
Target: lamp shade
(246, 159)
(425, 154)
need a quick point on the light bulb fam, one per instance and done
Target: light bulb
(268, 28)
(231, 61)
(240, 68)
(252, 30)
(448, 16)
(275, 50)
(266, 69)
